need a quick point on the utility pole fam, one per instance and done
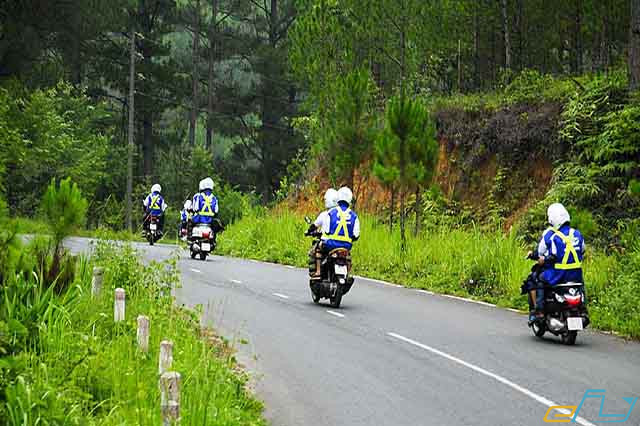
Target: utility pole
(193, 119)
(132, 73)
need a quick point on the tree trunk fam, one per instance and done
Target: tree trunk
(506, 34)
(577, 60)
(418, 209)
(194, 78)
(634, 46)
(520, 56)
(392, 206)
(476, 46)
(130, 144)
(211, 77)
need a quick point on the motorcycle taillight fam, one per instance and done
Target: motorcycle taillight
(573, 300)
(205, 234)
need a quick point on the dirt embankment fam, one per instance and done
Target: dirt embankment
(489, 161)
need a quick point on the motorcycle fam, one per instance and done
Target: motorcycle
(152, 233)
(336, 279)
(203, 239)
(565, 312)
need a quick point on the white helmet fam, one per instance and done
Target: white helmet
(557, 215)
(200, 188)
(207, 183)
(345, 194)
(330, 198)
(187, 205)
(156, 188)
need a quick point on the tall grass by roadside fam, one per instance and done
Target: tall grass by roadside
(63, 360)
(471, 261)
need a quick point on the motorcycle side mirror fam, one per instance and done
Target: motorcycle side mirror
(306, 219)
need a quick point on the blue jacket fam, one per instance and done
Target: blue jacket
(340, 228)
(205, 207)
(567, 246)
(154, 204)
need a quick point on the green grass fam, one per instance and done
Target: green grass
(472, 262)
(36, 226)
(80, 368)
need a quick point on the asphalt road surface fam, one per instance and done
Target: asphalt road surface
(397, 356)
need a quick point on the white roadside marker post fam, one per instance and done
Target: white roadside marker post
(118, 306)
(142, 334)
(166, 356)
(96, 281)
(170, 397)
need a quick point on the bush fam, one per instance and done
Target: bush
(79, 367)
(64, 208)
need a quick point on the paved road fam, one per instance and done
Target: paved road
(396, 356)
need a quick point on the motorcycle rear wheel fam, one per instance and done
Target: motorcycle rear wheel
(569, 338)
(203, 256)
(315, 298)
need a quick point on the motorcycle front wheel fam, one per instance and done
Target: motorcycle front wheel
(337, 298)
(538, 330)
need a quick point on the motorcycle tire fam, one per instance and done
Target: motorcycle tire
(315, 297)
(569, 338)
(337, 298)
(203, 256)
(193, 254)
(538, 330)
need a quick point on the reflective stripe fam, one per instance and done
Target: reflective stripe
(154, 203)
(207, 209)
(342, 226)
(569, 249)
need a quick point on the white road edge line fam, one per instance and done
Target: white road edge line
(236, 281)
(464, 299)
(283, 296)
(289, 266)
(517, 311)
(377, 281)
(425, 292)
(197, 271)
(335, 314)
(507, 382)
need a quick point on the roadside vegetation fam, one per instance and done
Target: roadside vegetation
(63, 359)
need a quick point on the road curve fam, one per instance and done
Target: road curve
(396, 356)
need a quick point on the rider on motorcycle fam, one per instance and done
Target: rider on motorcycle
(340, 226)
(154, 205)
(559, 253)
(205, 204)
(185, 217)
(330, 201)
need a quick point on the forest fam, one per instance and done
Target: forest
(248, 91)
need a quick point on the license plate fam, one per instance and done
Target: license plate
(574, 323)
(206, 247)
(341, 270)
(153, 226)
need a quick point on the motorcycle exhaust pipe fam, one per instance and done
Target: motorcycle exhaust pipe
(556, 325)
